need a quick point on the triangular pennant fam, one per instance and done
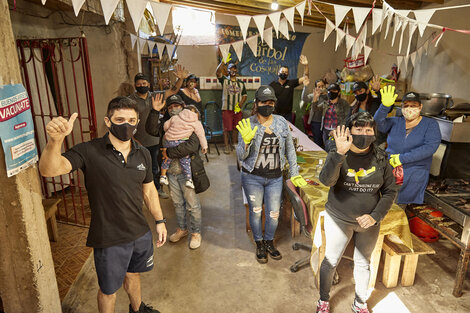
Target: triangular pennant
(238, 47)
(151, 45)
(170, 49)
(268, 37)
(133, 40)
(413, 58)
(367, 51)
(425, 47)
(397, 24)
(389, 20)
(385, 8)
(405, 63)
(253, 44)
(360, 15)
(439, 38)
(260, 20)
(349, 43)
(108, 7)
(339, 37)
(289, 14)
(376, 20)
(284, 28)
(399, 61)
(43, 2)
(275, 19)
(363, 36)
(244, 21)
(419, 53)
(329, 26)
(356, 50)
(160, 48)
(411, 30)
(405, 23)
(403, 13)
(423, 17)
(77, 5)
(301, 9)
(224, 50)
(161, 11)
(142, 43)
(136, 10)
(340, 13)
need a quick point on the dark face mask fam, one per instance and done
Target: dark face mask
(361, 97)
(265, 110)
(123, 132)
(142, 89)
(332, 95)
(363, 141)
(283, 76)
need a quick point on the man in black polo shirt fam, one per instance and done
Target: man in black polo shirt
(118, 177)
(284, 89)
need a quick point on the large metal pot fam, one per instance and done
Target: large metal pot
(434, 103)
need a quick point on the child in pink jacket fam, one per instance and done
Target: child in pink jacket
(178, 129)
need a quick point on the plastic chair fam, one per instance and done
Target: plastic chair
(213, 122)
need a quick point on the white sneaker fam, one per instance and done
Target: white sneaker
(195, 241)
(164, 180)
(189, 184)
(180, 233)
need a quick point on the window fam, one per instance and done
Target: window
(197, 26)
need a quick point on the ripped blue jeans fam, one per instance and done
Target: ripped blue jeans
(257, 189)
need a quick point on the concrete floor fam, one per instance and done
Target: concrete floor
(223, 275)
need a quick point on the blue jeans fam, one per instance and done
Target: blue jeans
(155, 167)
(257, 189)
(186, 202)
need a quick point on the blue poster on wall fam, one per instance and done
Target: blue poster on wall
(267, 61)
(16, 129)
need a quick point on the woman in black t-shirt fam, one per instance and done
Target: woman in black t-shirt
(190, 94)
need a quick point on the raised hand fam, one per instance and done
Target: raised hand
(181, 72)
(375, 83)
(158, 102)
(244, 127)
(228, 59)
(388, 95)
(343, 139)
(306, 81)
(303, 60)
(58, 128)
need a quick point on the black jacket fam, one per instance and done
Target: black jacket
(190, 147)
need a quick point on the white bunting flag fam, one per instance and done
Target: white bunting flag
(170, 49)
(284, 28)
(439, 39)
(389, 21)
(367, 51)
(360, 15)
(402, 13)
(301, 9)
(419, 53)
(136, 10)
(385, 8)
(426, 47)
(399, 61)
(224, 50)
(289, 14)
(413, 58)
(329, 26)
(133, 40)
(268, 37)
(160, 48)
(238, 47)
(376, 20)
(253, 44)
(405, 63)
(43, 2)
(349, 43)
(397, 25)
(339, 37)
(77, 5)
(405, 23)
(260, 20)
(161, 11)
(340, 13)
(423, 17)
(275, 19)
(243, 21)
(142, 43)
(151, 45)
(411, 30)
(108, 7)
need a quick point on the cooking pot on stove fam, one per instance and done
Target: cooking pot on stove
(435, 103)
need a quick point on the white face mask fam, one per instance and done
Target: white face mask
(410, 113)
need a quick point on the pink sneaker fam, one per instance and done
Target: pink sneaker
(323, 307)
(358, 308)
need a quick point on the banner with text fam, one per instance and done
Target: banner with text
(266, 62)
(17, 129)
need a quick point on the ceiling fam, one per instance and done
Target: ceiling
(254, 7)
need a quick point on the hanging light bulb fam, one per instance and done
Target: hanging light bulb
(274, 5)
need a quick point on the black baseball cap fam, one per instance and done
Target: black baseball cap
(265, 93)
(334, 87)
(140, 76)
(174, 99)
(359, 85)
(232, 65)
(191, 76)
(411, 96)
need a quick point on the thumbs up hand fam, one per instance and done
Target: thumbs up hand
(58, 128)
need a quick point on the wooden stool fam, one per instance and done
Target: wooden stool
(50, 208)
(393, 254)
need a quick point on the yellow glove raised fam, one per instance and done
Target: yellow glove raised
(298, 181)
(395, 160)
(244, 127)
(228, 59)
(388, 95)
(237, 108)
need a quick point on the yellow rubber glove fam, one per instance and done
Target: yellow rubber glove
(395, 160)
(388, 95)
(237, 108)
(229, 58)
(298, 181)
(244, 127)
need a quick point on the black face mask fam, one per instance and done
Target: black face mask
(283, 76)
(363, 141)
(361, 97)
(332, 95)
(142, 89)
(123, 132)
(266, 110)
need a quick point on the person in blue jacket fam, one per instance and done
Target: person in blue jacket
(412, 140)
